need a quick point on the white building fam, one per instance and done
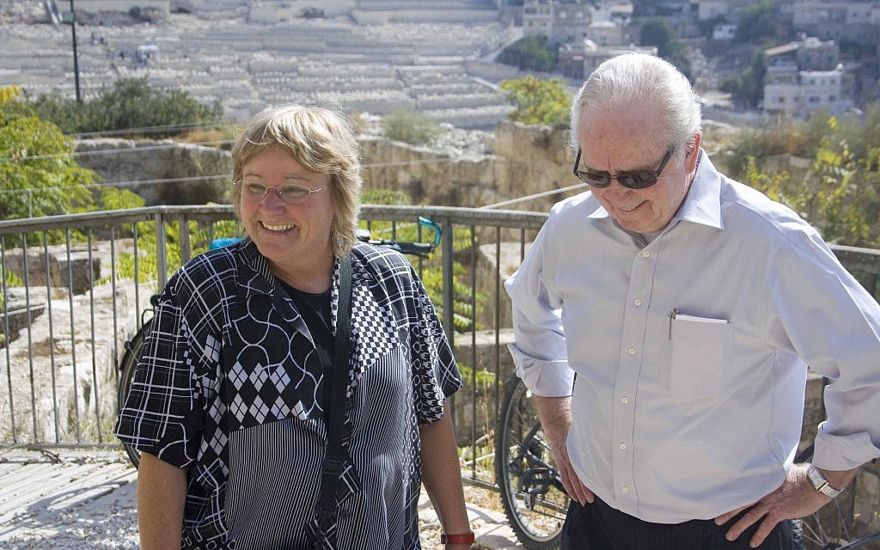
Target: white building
(724, 31)
(559, 20)
(594, 54)
(607, 33)
(857, 21)
(710, 9)
(795, 94)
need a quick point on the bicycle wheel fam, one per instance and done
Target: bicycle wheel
(533, 499)
(833, 528)
(126, 375)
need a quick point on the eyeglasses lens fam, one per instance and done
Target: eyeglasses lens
(290, 194)
(631, 180)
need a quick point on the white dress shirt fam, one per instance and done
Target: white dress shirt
(691, 349)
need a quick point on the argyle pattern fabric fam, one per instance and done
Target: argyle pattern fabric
(228, 352)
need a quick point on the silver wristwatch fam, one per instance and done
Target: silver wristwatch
(821, 484)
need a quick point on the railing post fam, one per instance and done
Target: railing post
(184, 240)
(161, 259)
(448, 294)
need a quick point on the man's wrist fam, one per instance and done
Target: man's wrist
(840, 478)
(832, 487)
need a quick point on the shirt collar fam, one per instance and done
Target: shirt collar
(254, 276)
(701, 205)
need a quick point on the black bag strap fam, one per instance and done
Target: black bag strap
(336, 378)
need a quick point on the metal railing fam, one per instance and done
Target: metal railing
(75, 288)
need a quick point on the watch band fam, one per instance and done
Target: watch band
(459, 538)
(821, 483)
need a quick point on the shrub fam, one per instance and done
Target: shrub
(410, 127)
(131, 103)
(538, 101)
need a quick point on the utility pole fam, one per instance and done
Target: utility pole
(75, 56)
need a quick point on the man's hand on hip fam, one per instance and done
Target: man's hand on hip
(555, 415)
(795, 498)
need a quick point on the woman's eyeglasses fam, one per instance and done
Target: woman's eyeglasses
(636, 179)
(290, 194)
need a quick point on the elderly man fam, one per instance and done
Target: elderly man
(689, 306)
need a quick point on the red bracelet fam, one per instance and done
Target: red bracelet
(459, 538)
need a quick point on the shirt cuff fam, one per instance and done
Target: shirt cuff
(843, 452)
(546, 378)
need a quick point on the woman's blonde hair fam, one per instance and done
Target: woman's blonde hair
(321, 141)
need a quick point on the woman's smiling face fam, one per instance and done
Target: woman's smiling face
(288, 235)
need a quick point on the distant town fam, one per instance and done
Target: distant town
(443, 58)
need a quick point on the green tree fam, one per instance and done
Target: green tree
(530, 53)
(38, 174)
(657, 32)
(840, 192)
(410, 127)
(747, 88)
(538, 101)
(757, 23)
(131, 103)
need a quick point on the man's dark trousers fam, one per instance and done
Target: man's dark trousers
(597, 526)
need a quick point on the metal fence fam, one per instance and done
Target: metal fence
(75, 288)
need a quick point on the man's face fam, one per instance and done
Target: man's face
(627, 140)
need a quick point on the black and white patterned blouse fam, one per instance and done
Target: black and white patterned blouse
(228, 386)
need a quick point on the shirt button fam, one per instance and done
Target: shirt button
(621, 446)
(625, 488)
(624, 400)
(637, 302)
(646, 254)
(631, 350)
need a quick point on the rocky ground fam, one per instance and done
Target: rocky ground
(86, 500)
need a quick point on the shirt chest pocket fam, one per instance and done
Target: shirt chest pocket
(700, 351)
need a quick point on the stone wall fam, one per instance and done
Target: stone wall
(85, 268)
(123, 160)
(526, 160)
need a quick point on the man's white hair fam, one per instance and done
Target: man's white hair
(631, 78)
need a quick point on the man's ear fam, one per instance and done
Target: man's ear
(692, 147)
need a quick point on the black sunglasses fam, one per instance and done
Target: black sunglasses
(637, 179)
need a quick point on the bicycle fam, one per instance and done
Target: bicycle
(535, 502)
(134, 346)
(532, 495)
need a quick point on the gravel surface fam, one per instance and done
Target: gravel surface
(87, 502)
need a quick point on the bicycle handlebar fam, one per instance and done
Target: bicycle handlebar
(416, 249)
